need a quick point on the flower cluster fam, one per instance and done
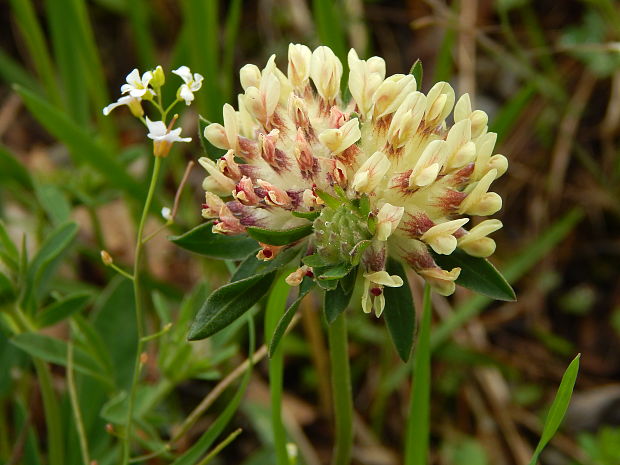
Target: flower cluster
(383, 174)
(147, 87)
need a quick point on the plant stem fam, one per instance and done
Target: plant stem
(75, 404)
(126, 442)
(276, 305)
(341, 390)
(417, 435)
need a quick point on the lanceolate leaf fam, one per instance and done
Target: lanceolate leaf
(335, 272)
(205, 242)
(307, 215)
(62, 309)
(337, 300)
(558, 407)
(399, 313)
(417, 72)
(305, 287)
(228, 303)
(279, 236)
(477, 274)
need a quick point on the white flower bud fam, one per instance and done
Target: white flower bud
(479, 201)
(250, 76)
(299, 58)
(326, 72)
(475, 242)
(441, 236)
(407, 119)
(391, 93)
(371, 173)
(364, 79)
(429, 164)
(338, 140)
(388, 218)
(439, 103)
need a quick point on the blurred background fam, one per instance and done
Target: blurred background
(546, 72)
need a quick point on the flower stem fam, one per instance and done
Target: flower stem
(276, 304)
(341, 390)
(126, 442)
(75, 404)
(417, 435)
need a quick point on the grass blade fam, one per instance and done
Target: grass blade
(328, 15)
(138, 13)
(35, 42)
(233, 19)
(83, 148)
(558, 407)
(418, 426)
(201, 20)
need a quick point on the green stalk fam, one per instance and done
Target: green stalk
(341, 390)
(417, 435)
(75, 405)
(51, 406)
(126, 442)
(276, 305)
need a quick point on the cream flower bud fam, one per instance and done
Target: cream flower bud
(364, 79)
(479, 120)
(428, 165)
(500, 163)
(250, 76)
(439, 103)
(225, 183)
(338, 140)
(476, 242)
(388, 218)
(462, 109)
(391, 93)
(479, 201)
(326, 72)
(407, 119)
(440, 237)
(244, 192)
(275, 196)
(297, 276)
(371, 173)
(310, 199)
(373, 290)
(228, 166)
(216, 134)
(441, 281)
(299, 58)
(484, 148)
(460, 149)
(212, 206)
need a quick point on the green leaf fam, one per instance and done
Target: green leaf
(307, 215)
(55, 351)
(7, 291)
(477, 274)
(10, 255)
(62, 309)
(558, 407)
(331, 201)
(418, 423)
(83, 147)
(252, 266)
(204, 241)
(417, 72)
(315, 260)
(337, 300)
(279, 236)
(305, 287)
(54, 202)
(46, 260)
(334, 272)
(399, 312)
(11, 169)
(228, 303)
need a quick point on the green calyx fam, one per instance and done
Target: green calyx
(341, 233)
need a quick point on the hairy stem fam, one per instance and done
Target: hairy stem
(341, 390)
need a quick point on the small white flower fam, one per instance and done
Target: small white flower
(388, 218)
(162, 137)
(138, 86)
(193, 82)
(373, 296)
(132, 102)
